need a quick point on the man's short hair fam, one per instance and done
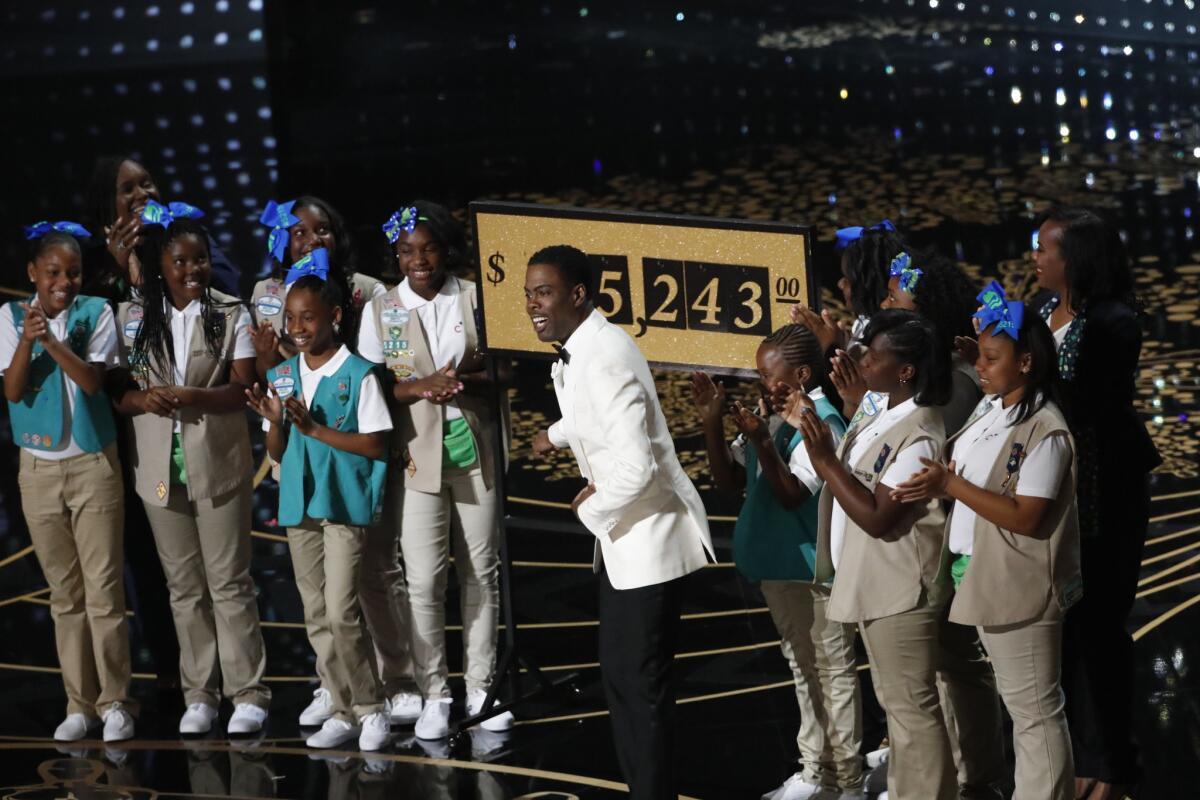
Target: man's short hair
(571, 262)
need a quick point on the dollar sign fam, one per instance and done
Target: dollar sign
(497, 273)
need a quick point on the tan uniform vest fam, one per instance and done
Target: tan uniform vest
(880, 577)
(216, 447)
(267, 300)
(1012, 578)
(417, 441)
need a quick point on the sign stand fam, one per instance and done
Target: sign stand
(512, 662)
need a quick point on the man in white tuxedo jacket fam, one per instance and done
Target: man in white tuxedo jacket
(649, 522)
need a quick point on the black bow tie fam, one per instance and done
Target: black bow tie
(563, 355)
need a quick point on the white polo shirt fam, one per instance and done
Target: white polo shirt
(373, 415)
(976, 451)
(183, 323)
(441, 320)
(906, 463)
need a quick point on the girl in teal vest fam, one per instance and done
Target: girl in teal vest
(327, 426)
(774, 542)
(54, 350)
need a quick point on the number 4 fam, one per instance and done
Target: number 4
(706, 301)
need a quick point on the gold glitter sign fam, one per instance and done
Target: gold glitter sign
(692, 291)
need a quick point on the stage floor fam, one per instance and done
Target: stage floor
(737, 713)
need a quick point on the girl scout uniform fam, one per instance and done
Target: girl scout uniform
(69, 464)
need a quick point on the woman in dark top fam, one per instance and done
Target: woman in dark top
(1095, 321)
(116, 195)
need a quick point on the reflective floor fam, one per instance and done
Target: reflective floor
(959, 141)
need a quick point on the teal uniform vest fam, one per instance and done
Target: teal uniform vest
(37, 419)
(319, 481)
(771, 542)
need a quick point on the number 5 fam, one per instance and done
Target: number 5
(610, 291)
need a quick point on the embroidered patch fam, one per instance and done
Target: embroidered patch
(283, 369)
(136, 312)
(337, 422)
(161, 490)
(132, 328)
(883, 457)
(394, 316)
(37, 440)
(284, 386)
(268, 306)
(402, 373)
(26, 438)
(272, 287)
(1015, 458)
(47, 440)
(395, 331)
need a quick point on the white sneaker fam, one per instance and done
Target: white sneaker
(318, 711)
(877, 758)
(376, 731)
(498, 723)
(247, 718)
(198, 718)
(406, 707)
(796, 788)
(75, 727)
(435, 720)
(333, 733)
(881, 796)
(118, 724)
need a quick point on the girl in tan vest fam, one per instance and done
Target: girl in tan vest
(882, 554)
(298, 228)
(425, 332)
(188, 348)
(1012, 542)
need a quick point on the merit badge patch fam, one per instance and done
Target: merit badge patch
(394, 316)
(284, 386)
(268, 306)
(883, 457)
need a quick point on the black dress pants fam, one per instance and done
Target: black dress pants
(638, 633)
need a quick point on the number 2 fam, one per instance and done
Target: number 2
(662, 314)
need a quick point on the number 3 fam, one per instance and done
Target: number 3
(752, 303)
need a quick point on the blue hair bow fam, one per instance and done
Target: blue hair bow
(315, 263)
(39, 229)
(846, 236)
(155, 213)
(405, 219)
(997, 308)
(901, 268)
(280, 217)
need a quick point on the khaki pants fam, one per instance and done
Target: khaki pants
(903, 650)
(463, 516)
(327, 558)
(1027, 659)
(75, 511)
(820, 653)
(972, 710)
(383, 592)
(204, 546)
